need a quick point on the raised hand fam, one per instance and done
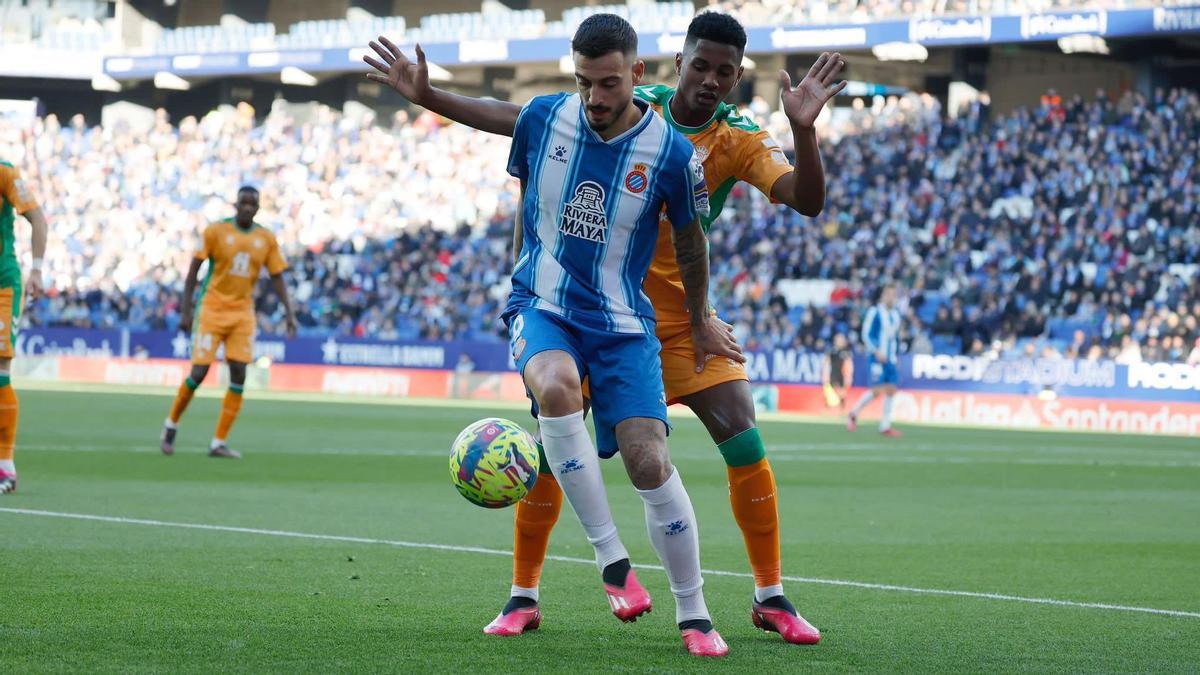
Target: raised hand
(410, 80)
(805, 101)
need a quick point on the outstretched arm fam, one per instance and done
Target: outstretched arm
(710, 336)
(411, 80)
(804, 188)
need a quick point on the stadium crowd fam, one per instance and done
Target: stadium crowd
(1071, 229)
(781, 12)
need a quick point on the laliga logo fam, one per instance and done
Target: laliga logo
(1037, 25)
(933, 30)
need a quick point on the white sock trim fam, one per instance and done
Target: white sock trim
(169, 424)
(765, 592)
(522, 592)
(8, 466)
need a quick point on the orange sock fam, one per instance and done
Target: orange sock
(9, 407)
(182, 398)
(229, 411)
(536, 515)
(752, 494)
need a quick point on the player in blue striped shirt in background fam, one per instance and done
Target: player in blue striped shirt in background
(881, 337)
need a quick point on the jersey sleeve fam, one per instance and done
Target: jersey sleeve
(687, 193)
(518, 156)
(15, 190)
(275, 262)
(762, 161)
(207, 241)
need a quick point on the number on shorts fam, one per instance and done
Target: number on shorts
(204, 342)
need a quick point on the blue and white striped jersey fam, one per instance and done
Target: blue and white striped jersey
(881, 331)
(590, 215)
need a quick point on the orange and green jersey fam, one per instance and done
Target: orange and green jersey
(15, 199)
(235, 257)
(732, 149)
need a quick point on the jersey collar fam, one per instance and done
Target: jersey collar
(647, 113)
(684, 128)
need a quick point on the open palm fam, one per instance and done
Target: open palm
(410, 80)
(805, 101)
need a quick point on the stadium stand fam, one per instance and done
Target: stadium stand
(1097, 257)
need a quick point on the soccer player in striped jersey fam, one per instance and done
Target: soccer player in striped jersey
(731, 148)
(596, 170)
(881, 337)
(15, 198)
(236, 249)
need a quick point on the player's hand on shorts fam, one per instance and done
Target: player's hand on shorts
(290, 324)
(714, 338)
(34, 286)
(880, 357)
(410, 80)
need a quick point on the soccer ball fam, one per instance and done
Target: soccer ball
(494, 463)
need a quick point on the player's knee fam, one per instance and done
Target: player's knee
(237, 373)
(643, 445)
(198, 374)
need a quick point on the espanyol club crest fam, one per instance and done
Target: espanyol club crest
(636, 180)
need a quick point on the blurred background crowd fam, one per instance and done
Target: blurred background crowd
(1070, 229)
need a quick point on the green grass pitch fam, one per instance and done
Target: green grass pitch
(1100, 519)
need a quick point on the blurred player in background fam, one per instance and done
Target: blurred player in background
(881, 337)
(732, 148)
(837, 372)
(236, 250)
(15, 198)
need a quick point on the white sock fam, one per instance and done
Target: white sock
(886, 422)
(576, 465)
(862, 403)
(671, 523)
(522, 592)
(8, 466)
(761, 594)
(169, 424)
(216, 442)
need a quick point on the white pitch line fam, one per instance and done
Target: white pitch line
(583, 561)
(847, 458)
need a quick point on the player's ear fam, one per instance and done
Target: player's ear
(741, 70)
(639, 69)
(678, 63)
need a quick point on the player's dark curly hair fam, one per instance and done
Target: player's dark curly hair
(716, 27)
(248, 188)
(601, 34)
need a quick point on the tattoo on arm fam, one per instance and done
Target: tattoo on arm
(691, 253)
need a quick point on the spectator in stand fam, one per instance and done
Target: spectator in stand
(1075, 220)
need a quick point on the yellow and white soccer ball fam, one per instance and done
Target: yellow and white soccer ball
(494, 463)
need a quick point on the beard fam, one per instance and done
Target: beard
(613, 117)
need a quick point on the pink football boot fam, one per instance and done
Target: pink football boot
(699, 643)
(791, 627)
(629, 601)
(515, 622)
